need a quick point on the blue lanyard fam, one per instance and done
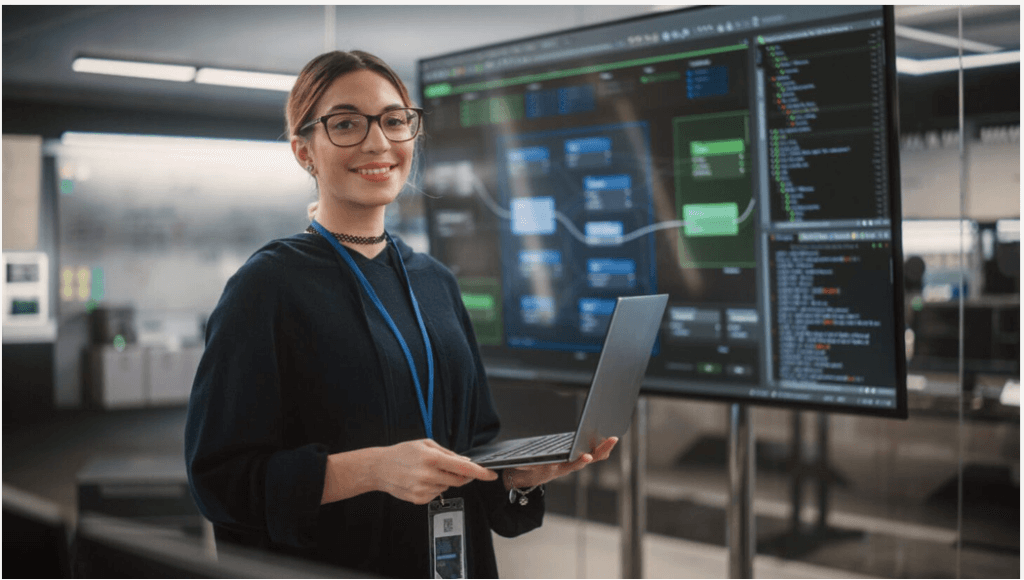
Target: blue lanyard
(426, 408)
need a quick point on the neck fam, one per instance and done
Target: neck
(352, 220)
(365, 222)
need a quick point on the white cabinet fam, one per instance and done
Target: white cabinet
(119, 377)
(171, 373)
(139, 376)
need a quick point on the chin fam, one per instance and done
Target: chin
(372, 198)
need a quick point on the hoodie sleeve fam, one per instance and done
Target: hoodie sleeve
(240, 474)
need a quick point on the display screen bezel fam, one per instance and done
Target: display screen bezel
(569, 369)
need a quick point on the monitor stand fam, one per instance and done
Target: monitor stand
(633, 499)
(739, 517)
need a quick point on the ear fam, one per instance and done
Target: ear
(303, 153)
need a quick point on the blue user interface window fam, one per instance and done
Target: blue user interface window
(579, 192)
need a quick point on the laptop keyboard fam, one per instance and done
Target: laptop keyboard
(536, 447)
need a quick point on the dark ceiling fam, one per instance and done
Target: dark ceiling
(40, 43)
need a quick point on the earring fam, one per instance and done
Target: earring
(309, 168)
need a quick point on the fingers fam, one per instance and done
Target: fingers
(600, 453)
(418, 471)
(531, 475)
(455, 463)
(463, 467)
(421, 485)
(605, 449)
(581, 462)
(452, 462)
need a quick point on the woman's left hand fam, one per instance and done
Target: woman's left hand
(531, 475)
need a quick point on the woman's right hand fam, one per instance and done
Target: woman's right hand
(418, 471)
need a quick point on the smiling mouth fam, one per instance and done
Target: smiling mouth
(374, 171)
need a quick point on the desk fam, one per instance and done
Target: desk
(150, 488)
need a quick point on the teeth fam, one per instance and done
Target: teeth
(374, 171)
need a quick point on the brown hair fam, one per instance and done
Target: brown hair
(316, 77)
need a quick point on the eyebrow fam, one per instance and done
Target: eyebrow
(347, 107)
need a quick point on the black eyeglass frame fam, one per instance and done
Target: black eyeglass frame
(370, 119)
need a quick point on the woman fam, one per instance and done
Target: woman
(341, 376)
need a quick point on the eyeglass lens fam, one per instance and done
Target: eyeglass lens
(351, 128)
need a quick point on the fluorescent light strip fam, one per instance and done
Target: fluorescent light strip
(936, 65)
(185, 74)
(943, 39)
(245, 79)
(138, 142)
(912, 11)
(124, 68)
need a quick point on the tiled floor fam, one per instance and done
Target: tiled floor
(564, 548)
(685, 522)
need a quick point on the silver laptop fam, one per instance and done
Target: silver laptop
(612, 397)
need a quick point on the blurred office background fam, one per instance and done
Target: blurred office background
(134, 200)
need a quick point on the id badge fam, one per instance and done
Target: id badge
(447, 538)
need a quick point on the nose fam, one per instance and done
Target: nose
(376, 141)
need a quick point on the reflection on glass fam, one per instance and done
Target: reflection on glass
(167, 220)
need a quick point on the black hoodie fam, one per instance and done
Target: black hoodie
(299, 364)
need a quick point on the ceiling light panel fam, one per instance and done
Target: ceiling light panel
(245, 79)
(943, 40)
(937, 65)
(145, 70)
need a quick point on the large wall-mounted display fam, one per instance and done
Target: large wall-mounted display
(742, 159)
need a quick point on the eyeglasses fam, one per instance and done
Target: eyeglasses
(346, 129)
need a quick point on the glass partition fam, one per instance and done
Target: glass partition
(150, 229)
(937, 495)
(840, 495)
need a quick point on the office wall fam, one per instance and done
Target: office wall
(155, 227)
(22, 170)
(930, 175)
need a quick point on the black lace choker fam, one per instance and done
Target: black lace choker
(345, 238)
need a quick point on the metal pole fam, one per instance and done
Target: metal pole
(739, 518)
(822, 470)
(963, 297)
(582, 498)
(633, 500)
(796, 472)
(330, 35)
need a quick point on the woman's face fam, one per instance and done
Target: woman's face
(372, 173)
